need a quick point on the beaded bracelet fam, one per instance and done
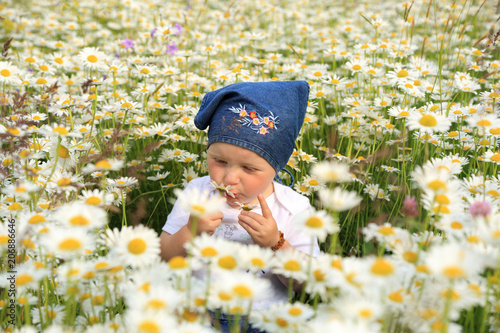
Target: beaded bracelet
(279, 243)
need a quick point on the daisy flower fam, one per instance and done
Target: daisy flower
(67, 243)
(198, 203)
(92, 59)
(317, 224)
(483, 121)
(339, 200)
(149, 321)
(137, 247)
(283, 317)
(95, 197)
(452, 261)
(9, 74)
(159, 298)
(225, 190)
(428, 122)
(79, 215)
(291, 264)
(332, 172)
(256, 258)
(247, 207)
(103, 165)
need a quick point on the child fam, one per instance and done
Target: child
(251, 136)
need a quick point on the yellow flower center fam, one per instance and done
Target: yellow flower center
(243, 291)
(209, 252)
(314, 222)
(313, 182)
(386, 231)
(454, 272)
(227, 262)
(70, 244)
(292, 265)
(382, 267)
(63, 182)
(428, 121)
(442, 199)
(93, 200)
(410, 257)
(495, 157)
(156, 304)
(61, 130)
(5, 72)
(396, 297)
(281, 322)
(456, 225)
(23, 279)
(35, 219)
(257, 262)
(137, 246)
(149, 327)
(103, 164)
(356, 67)
(403, 73)
(437, 185)
(484, 123)
(198, 208)
(41, 81)
(92, 58)
(319, 275)
(79, 220)
(177, 262)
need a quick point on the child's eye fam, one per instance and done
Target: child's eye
(220, 161)
(249, 168)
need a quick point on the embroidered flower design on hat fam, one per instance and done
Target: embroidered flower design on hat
(258, 123)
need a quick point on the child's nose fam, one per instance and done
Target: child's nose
(231, 177)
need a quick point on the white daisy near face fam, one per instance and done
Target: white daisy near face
(198, 203)
(93, 59)
(428, 122)
(137, 247)
(223, 190)
(317, 224)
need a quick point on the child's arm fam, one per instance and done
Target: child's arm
(172, 245)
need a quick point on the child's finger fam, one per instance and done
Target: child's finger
(266, 212)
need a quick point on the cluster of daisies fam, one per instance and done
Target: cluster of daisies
(97, 103)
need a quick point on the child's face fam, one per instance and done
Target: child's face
(246, 171)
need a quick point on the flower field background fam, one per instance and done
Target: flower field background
(399, 155)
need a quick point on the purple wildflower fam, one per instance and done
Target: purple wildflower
(177, 29)
(128, 43)
(153, 32)
(480, 209)
(171, 48)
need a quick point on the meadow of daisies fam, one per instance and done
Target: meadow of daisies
(399, 155)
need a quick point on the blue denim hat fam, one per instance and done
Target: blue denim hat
(264, 117)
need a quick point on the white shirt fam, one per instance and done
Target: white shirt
(284, 204)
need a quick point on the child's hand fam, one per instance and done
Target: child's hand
(262, 228)
(207, 223)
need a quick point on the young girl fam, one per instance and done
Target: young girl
(251, 136)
